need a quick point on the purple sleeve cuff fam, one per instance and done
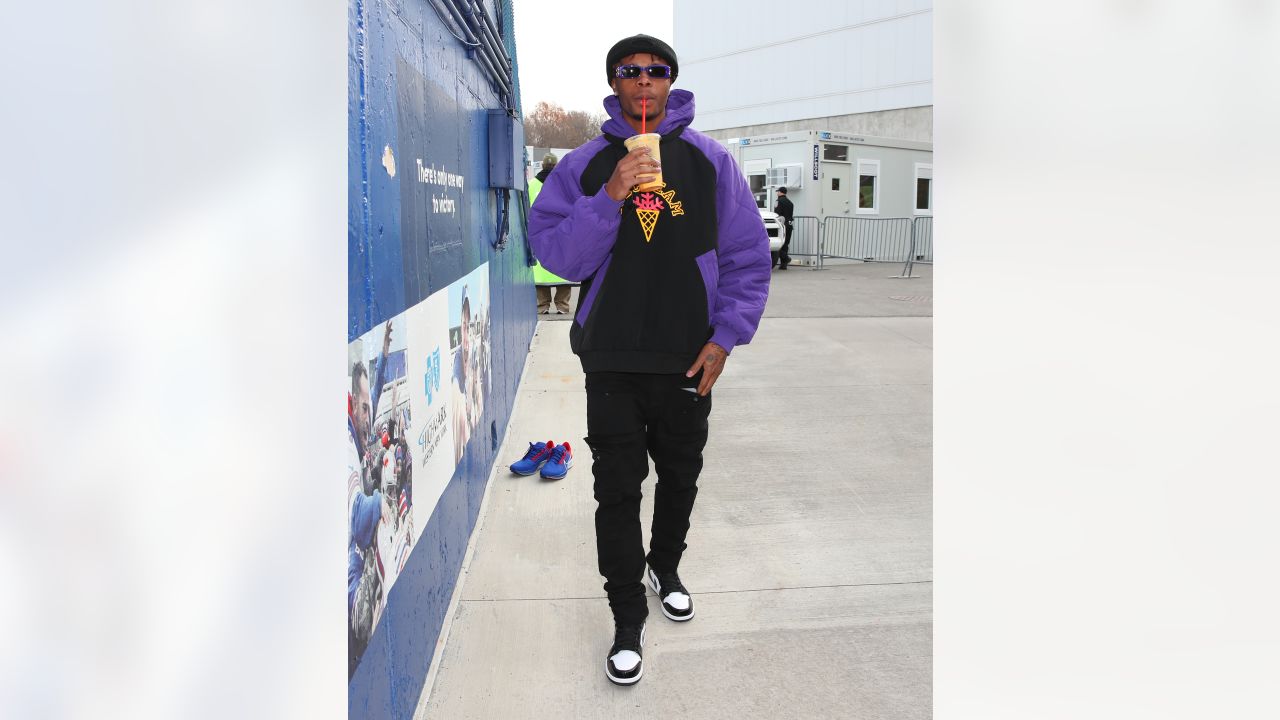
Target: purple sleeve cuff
(725, 338)
(606, 207)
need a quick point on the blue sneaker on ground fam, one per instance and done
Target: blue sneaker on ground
(560, 462)
(537, 456)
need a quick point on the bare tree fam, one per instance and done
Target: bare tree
(550, 125)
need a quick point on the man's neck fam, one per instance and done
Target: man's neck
(651, 124)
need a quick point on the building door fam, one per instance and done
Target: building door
(837, 189)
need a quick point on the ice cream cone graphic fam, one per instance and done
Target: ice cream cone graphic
(648, 206)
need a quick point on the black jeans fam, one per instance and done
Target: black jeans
(784, 253)
(630, 415)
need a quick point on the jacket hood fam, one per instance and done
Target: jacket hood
(679, 114)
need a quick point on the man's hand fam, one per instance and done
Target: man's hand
(386, 339)
(711, 361)
(637, 167)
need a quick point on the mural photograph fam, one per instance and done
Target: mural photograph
(417, 390)
(379, 478)
(469, 343)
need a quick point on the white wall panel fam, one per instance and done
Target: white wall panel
(752, 62)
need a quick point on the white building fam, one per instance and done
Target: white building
(831, 174)
(862, 67)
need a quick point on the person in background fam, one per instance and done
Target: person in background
(542, 279)
(367, 507)
(785, 210)
(467, 390)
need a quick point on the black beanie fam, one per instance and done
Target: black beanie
(640, 44)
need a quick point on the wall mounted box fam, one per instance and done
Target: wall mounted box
(506, 151)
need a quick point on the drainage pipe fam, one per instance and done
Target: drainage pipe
(486, 25)
(486, 43)
(500, 78)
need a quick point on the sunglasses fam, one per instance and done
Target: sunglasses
(630, 72)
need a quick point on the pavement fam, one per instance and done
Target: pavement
(810, 554)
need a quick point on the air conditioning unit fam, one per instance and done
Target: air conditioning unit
(788, 176)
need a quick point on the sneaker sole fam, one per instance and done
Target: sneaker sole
(653, 582)
(625, 682)
(531, 472)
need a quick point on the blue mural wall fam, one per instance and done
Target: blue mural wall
(421, 218)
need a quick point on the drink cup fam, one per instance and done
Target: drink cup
(649, 140)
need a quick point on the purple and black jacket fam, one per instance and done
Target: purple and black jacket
(662, 272)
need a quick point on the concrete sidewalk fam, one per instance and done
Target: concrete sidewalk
(810, 553)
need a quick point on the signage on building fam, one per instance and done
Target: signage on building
(843, 138)
(815, 160)
(770, 139)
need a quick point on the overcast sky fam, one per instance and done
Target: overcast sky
(561, 46)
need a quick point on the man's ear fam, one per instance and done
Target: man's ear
(613, 85)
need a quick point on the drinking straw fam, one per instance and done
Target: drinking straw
(644, 113)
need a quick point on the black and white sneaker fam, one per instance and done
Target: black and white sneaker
(676, 603)
(625, 665)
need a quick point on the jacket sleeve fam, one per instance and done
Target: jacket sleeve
(572, 233)
(366, 511)
(743, 256)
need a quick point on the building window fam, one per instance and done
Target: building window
(835, 183)
(868, 187)
(757, 188)
(835, 152)
(924, 189)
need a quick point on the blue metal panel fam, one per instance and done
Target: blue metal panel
(414, 90)
(358, 290)
(379, 294)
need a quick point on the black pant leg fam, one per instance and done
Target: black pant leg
(616, 436)
(677, 434)
(784, 253)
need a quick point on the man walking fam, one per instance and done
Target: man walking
(785, 210)
(673, 279)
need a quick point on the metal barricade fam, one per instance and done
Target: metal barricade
(921, 245)
(806, 234)
(922, 240)
(867, 239)
(904, 240)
